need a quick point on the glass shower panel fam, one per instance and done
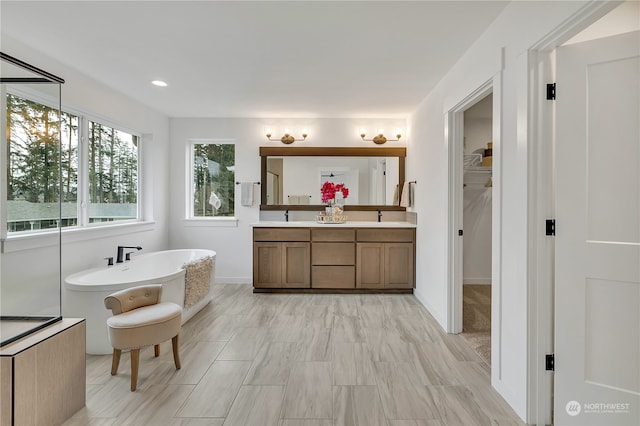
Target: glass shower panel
(30, 209)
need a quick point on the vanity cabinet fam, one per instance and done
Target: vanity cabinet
(281, 258)
(385, 258)
(334, 258)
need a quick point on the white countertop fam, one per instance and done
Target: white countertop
(347, 224)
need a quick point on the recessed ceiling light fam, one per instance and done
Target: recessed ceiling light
(159, 83)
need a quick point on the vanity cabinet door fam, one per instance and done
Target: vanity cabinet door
(267, 264)
(385, 265)
(398, 271)
(370, 265)
(296, 265)
(277, 265)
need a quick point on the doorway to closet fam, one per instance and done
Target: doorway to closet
(477, 153)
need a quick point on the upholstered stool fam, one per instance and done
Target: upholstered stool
(140, 320)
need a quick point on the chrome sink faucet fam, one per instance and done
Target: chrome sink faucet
(121, 252)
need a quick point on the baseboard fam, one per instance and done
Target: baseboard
(509, 395)
(437, 315)
(482, 281)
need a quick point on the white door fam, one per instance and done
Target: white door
(597, 288)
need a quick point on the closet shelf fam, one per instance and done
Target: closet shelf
(478, 169)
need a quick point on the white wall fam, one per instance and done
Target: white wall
(477, 132)
(502, 47)
(477, 199)
(86, 249)
(233, 244)
(476, 268)
(478, 126)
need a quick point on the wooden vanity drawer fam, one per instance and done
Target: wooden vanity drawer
(281, 234)
(333, 234)
(333, 277)
(333, 253)
(399, 235)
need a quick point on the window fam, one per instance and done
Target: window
(213, 180)
(34, 164)
(38, 172)
(113, 174)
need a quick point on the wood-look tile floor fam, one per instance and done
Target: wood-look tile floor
(308, 360)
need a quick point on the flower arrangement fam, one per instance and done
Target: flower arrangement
(330, 189)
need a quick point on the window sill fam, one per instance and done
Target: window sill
(223, 222)
(34, 240)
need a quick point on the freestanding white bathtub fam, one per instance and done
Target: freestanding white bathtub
(85, 291)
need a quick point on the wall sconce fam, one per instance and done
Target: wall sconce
(287, 138)
(379, 139)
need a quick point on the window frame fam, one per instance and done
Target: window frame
(23, 240)
(189, 218)
(83, 220)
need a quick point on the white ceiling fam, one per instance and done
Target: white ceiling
(257, 59)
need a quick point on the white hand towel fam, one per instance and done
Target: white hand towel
(405, 198)
(246, 193)
(303, 199)
(214, 200)
(412, 194)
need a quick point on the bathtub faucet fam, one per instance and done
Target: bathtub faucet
(121, 252)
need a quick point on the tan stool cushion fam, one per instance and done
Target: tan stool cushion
(133, 298)
(145, 326)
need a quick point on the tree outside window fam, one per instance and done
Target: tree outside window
(43, 169)
(113, 174)
(213, 180)
(42, 155)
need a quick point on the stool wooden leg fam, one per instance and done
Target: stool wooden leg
(176, 354)
(135, 360)
(156, 349)
(115, 362)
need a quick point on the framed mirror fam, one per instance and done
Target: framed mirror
(293, 177)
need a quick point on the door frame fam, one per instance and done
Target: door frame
(454, 131)
(536, 131)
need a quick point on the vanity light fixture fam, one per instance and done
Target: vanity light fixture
(287, 138)
(159, 83)
(380, 138)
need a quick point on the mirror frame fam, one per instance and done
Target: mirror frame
(270, 151)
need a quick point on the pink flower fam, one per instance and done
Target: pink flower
(329, 190)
